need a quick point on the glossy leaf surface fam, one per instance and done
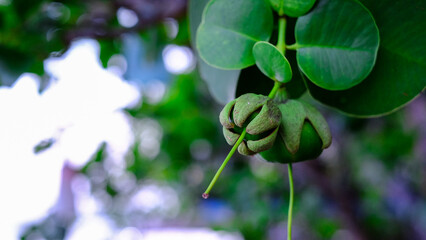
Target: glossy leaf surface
(229, 29)
(400, 72)
(272, 62)
(337, 44)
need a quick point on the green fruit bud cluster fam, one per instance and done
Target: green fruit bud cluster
(260, 117)
(303, 134)
(291, 131)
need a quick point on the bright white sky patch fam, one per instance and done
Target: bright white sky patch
(129, 233)
(29, 185)
(93, 227)
(80, 109)
(85, 101)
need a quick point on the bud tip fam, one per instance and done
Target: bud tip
(205, 195)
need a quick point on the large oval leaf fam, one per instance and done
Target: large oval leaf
(221, 83)
(337, 44)
(272, 62)
(400, 72)
(229, 29)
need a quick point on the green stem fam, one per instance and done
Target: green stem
(274, 90)
(281, 34)
(234, 148)
(205, 195)
(281, 46)
(290, 204)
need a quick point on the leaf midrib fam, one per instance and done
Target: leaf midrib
(400, 53)
(300, 46)
(235, 32)
(382, 47)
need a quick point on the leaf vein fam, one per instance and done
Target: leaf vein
(334, 47)
(237, 33)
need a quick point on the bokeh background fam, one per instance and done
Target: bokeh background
(108, 132)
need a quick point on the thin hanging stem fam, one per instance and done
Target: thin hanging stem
(234, 148)
(281, 46)
(290, 204)
(205, 195)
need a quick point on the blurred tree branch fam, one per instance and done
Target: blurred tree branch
(149, 13)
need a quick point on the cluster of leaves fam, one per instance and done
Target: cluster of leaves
(346, 53)
(352, 55)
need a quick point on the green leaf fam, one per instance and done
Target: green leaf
(337, 44)
(400, 72)
(292, 8)
(297, 8)
(195, 11)
(272, 62)
(229, 29)
(221, 83)
(252, 80)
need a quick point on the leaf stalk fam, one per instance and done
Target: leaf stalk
(282, 22)
(290, 204)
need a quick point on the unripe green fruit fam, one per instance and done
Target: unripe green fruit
(303, 134)
(310, 148)
(259, 115)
